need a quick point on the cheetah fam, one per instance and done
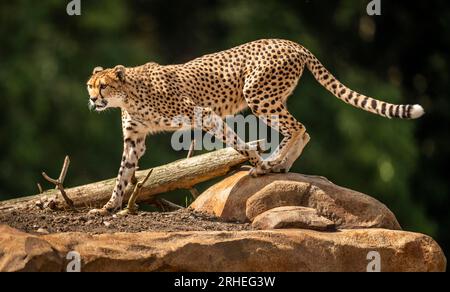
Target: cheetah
(259, 75)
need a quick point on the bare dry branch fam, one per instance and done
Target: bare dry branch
(170, 205)
(191, 149)
(64, 169)
(194, 192)
(141, 184)
(59, 182)
(40, 188)
(131, 206)
(49, 179)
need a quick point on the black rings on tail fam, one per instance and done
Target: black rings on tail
(388, 110)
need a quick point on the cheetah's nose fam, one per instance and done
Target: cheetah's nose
(94, 99)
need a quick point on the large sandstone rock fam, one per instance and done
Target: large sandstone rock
(240, 197)
(292, 217)
(257, 251)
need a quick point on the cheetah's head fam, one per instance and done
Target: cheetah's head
(106, 88)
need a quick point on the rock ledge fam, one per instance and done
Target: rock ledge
(242, 251)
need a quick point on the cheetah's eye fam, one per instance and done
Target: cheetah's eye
(103, 86)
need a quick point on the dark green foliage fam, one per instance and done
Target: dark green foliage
(401, 56)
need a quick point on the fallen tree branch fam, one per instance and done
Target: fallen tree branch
(182, 174)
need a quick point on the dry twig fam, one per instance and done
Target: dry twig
(169, 205)
(191, 149)
(40, 188)
(60, 181)
(194, 192)
(132, 206)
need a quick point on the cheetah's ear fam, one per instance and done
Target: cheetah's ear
(97, 70)
(120, 72)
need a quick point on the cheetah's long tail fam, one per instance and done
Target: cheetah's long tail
(358, 100)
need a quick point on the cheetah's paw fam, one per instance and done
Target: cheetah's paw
(283, 167)
(101, 212)
(109, 209)
(261, 169)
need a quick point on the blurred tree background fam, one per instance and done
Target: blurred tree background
(401, 56)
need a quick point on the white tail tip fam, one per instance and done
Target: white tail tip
(417, 111)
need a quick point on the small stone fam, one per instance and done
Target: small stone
(292, 217)
(107, 224)
(39, 204)
(51, 205)
(42, 231)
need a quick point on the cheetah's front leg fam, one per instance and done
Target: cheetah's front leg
(134, 148)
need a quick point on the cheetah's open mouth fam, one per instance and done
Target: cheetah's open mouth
(100, 106)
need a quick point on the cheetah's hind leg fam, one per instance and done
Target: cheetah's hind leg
(214, 125)
(293, 154)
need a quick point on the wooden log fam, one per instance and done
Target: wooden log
(181, 174)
